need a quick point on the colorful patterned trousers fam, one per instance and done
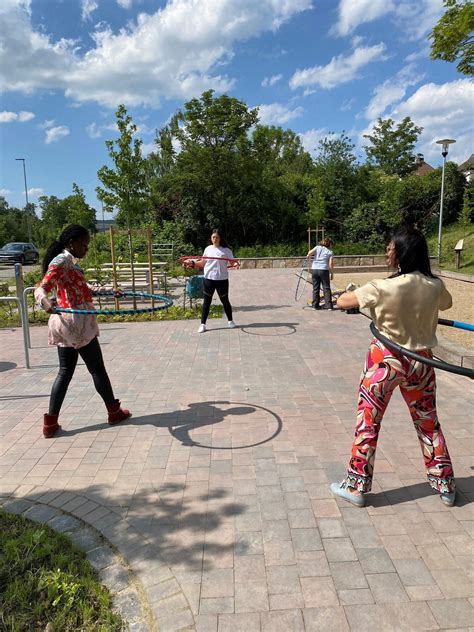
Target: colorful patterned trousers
(384, 370)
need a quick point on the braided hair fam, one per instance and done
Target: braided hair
(73, 231)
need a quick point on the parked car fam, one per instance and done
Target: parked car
(19, 252)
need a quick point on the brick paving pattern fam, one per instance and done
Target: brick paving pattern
(216, 491)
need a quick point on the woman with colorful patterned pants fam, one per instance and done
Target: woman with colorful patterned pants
(404, 308)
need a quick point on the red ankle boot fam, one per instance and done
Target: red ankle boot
(50, 425)
(116, 413)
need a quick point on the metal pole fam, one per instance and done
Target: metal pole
(23, 313)
(440, 228)
(28, 221)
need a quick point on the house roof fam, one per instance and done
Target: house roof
(422, 169)
(468, 165)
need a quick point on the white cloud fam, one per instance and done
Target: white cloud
(339, 70)
(352, 13)
(10, 117)
(94, 131)
(125, 4)
(391, 91)
(173, 53)
(277, 114)
(348, 104)
(271, 81)
(53, 134)
(414, 18)
(35, 192)
(47, 124)
(87, 8)
(5, 192)
(444, 111)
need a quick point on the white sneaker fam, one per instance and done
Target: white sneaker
(232, 325)
(202, 328)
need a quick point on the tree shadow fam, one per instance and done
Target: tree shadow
(163, 524)
(281, 329)
(464, 486)
(181, 423)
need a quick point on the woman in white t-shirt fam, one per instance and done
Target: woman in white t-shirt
(322, 271)
(404, 308)
(216, 277)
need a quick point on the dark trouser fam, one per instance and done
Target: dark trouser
(222, 288)
(92, 356)
(321, 276)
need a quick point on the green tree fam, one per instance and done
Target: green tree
(335, 168)
(391, 147)
(451, 39)
(78, 211)
(126, 187)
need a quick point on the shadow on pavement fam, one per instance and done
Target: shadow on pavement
(7, 366)
(464, 487)
(280, 329)
(165, 523)
(181, 423)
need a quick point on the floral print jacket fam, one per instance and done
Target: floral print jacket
(66, 277)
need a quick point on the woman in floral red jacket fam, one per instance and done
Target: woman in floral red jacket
(74, 334)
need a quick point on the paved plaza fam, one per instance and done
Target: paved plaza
(216, 490)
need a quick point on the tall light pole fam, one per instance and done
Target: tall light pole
(445, 143)
(28, 220)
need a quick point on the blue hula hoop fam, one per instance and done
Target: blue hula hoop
(457, 324)
(165, 300)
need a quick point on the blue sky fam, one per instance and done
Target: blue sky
(316, 66)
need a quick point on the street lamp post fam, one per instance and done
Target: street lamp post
(444, 142)
(28, 220)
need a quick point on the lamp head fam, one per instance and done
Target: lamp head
(445, 143)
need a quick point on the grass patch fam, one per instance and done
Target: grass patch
(45, 579)
(451, 235)
(12, 318)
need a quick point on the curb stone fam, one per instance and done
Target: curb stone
(128, 598)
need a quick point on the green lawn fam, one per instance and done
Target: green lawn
(45, 579)
(451, 235)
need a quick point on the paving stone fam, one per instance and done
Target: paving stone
(306, 540)
(413, 573)
(327, 619)
(279, 621)
(375, 561)
(332, 528)
(454, 583)
(41, 513)
(412, 616)
(127, 603)
(206, 623)
(251, 597)
(339, 550)
(312, 564)
(217, 605)
(348, 575)
(387, 588)
(361, 596)
(65, 523)
(370, 618)
(218, 582)
(318, 592)
(249, 622)
(101, 557)
(452, 613)
(283, 579)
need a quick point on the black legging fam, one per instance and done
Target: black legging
(92, 356)
(222, 288)
(321, 276)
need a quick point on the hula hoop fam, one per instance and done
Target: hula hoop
(437, 364)
(457, 324)
(165, 300)
(302, 280)
(234, 264)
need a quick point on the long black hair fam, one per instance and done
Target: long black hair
(411, 250)
(73, 231)
(217, 231)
